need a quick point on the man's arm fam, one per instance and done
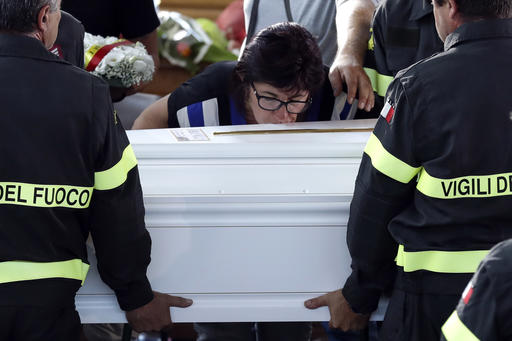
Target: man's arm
(377, 199)
(353, 19)
(384, 187)
(121, 241)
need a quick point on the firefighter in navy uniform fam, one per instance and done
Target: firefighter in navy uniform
(485, 309)
(67, 169)
(433, 193)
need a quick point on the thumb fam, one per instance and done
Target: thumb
(317, 302)
(176, 301)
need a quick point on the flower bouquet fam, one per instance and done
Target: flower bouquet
(186, 42)
(120, 62)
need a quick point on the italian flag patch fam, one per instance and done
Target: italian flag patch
(468, 292)
(388, 112)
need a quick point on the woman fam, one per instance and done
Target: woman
(280, 78)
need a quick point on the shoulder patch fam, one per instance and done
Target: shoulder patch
(468, 292)
(57, 50)
(388, 112)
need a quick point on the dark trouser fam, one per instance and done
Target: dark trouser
(259, 331)
(103, 331)
(339, 335)
(416, 316)
(39, 324)
(39, 310)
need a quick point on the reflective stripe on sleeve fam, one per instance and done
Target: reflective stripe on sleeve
(455, 330)
(37, 195)
(388, 164)
(116, 176)
(380, 83)
(371, 41)
(440, 261)
(482, 186)
(14, 271)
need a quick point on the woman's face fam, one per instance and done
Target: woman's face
(269, 98)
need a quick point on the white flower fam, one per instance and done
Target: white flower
(113, 58)
(101, 68)
(147, 59)
(128, 65)
(139, 66)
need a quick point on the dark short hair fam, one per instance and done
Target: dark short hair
(284, 55)
(483, 9)
(20, 16)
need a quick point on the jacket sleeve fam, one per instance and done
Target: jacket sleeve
(212, 82)
(484, 311)
(143, 10)
(121, 241)
(380, 23)
(475, 313)
(375, 62)
(384, 187)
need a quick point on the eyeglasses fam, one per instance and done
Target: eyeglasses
(272, 104)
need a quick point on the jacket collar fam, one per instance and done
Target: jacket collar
(419, 9)
(19, 45)
(483, 29)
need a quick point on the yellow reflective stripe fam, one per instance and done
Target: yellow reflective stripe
(37, 195)
(116, 176)
(455, 330)
(371, 42)
(14, 271)
(388, 164)
(482, 186)
(380, 83)
(440, 261)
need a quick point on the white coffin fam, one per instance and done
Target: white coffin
(249, 226)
